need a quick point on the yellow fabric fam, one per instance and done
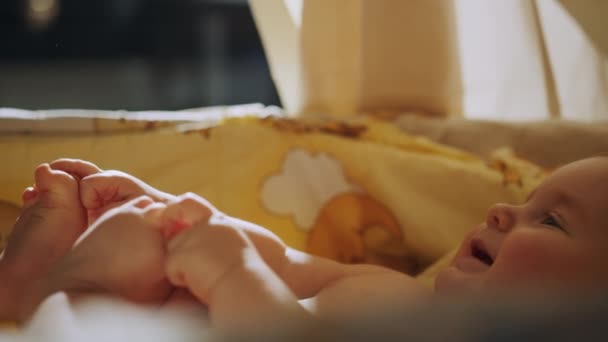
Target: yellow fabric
(398, 200)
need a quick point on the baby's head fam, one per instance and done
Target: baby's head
(557, 239)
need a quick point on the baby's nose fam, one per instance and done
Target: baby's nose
(501, 217)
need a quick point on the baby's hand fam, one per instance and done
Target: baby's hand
(219, 259)
(206, 250)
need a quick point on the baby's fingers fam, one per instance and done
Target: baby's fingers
(175, 269)
(181, 250)
(200, 257)
(184, 211)
(189, 261)
(183, 270)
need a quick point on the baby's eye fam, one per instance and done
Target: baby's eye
(550, 220)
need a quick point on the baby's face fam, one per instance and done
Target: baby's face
(557, 240)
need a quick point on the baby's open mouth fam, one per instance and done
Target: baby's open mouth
(479, 252)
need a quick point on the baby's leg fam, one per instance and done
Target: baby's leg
(122, 255)
(50, 222)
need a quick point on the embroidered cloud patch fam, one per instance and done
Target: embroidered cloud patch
(304, 184)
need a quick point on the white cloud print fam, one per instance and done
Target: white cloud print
(306, 182)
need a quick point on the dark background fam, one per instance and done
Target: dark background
(130, 54)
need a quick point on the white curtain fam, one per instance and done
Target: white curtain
(525, 60)
(505, 60)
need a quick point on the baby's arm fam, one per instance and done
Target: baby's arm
(221, 267)
(328, 284)
(325, 285)
(307, 276)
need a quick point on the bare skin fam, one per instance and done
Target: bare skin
(241, 270)
(51, 220)
(318, 283)
(102, 190)
(555, 241)
(40, 259)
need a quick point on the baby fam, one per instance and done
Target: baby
(145, 245)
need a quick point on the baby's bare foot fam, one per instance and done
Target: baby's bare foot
(109, 189)
(50, 222)
(75, 167)
(102, 190)
(121, 254)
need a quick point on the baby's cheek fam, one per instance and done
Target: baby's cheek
(537, 257)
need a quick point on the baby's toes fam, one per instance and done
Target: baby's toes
(108, 188)
(29, 196)
(58, 184)
(76, 167)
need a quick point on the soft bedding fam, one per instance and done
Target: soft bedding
(358, 191)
